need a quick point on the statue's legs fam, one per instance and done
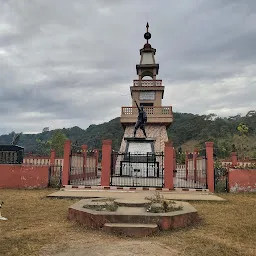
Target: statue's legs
(136, 127)
(142, 127)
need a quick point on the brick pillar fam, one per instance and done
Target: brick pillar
(106, 162)
(210, 165)
(84, 150)
(195, 163)
(52, 157)
(66, 163)
(96, 155)
(168, 165)
(186, 165)
(234, 158)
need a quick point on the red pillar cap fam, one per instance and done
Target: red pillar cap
(233, 153)
(84, 146)
(107, 142)
(209, 144)
(168, 143)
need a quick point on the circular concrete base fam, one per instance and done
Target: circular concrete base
(129, 218)
(132, 202)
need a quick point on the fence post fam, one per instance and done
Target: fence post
(66, 162)
(84, 150)
(234, 158)
(186, 165)
(96, 155)
(52, 157)
(210, 166)
(168, 165)
(106, 162)
(195, 163)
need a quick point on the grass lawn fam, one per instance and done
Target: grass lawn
(39, 226)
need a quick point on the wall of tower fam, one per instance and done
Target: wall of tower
(147, 58)
(157, 101)
(157, 132)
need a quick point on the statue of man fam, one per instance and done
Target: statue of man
(142, 120)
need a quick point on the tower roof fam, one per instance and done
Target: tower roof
(148, 65)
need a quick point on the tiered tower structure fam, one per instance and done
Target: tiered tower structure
(149, 93)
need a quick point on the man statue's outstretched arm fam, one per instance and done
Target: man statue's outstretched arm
(137, 105)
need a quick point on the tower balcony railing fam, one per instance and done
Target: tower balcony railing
(155, 115)
(147, 82)
(149, 110)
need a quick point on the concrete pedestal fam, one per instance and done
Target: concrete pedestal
(157, 133)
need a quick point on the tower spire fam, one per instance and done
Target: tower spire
(147, 35)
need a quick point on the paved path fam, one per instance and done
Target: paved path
(175, 195)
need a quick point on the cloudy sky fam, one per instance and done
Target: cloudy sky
(65, 63)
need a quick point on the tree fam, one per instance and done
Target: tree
(234, 148)
(243, 129)
(57, 142)
(251, 113)
(180, 156)
(210, 117)
(242, 139)
(43, 147)
(46, 129)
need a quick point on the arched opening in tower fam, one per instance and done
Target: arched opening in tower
(147, 77)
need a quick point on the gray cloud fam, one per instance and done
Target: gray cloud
(65, 63)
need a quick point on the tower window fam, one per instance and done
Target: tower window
(147, 104)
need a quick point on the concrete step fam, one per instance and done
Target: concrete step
(131, 229)
(131, 210)
(132, 202)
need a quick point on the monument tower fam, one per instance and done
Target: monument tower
(148, 92)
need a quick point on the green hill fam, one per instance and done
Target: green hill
(187, 131)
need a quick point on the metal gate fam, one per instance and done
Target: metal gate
(220, 179)
(194, 174)
(137, 170)
(79, 172)
(55, 176)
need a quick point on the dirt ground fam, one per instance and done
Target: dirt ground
(38, 226)
(119, 248)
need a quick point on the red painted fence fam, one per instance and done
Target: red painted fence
(242, 180)
(23, 176)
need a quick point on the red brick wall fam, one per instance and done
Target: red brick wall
(242, 180)
(23, 176)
